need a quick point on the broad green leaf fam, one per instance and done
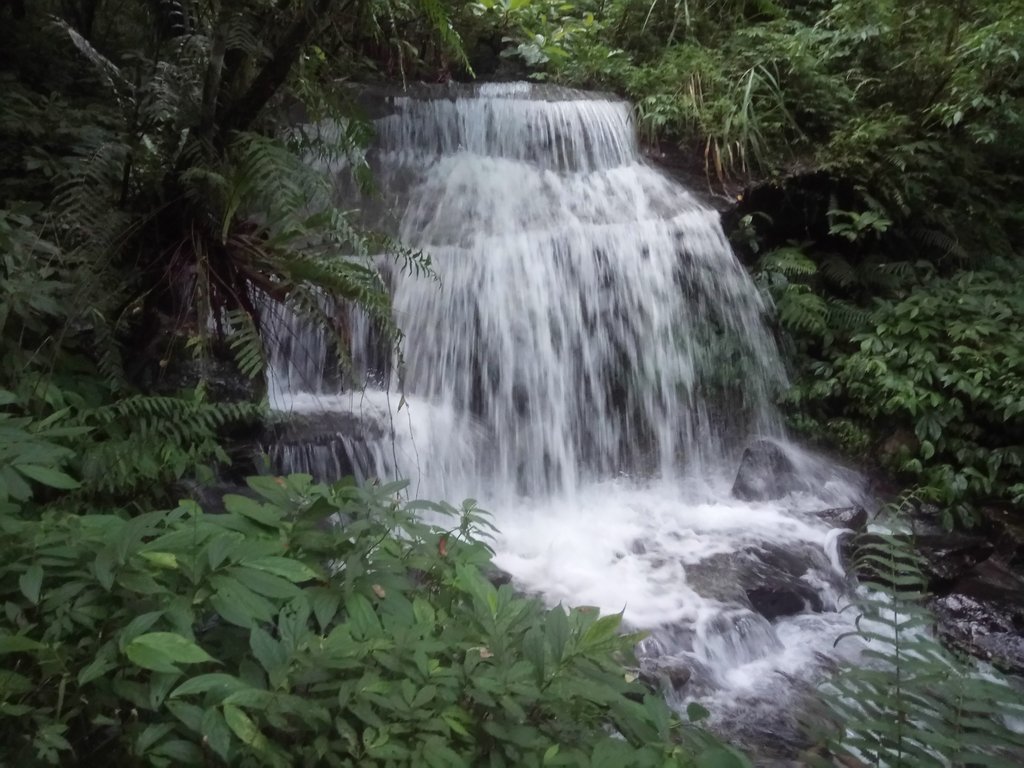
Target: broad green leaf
(720, 757)
(216, 733)
(244, 728)
(270, 654)
(601, 630)
(238, 604)
(48, 476)
(31, 582)
(160, 651)
(265, 514)
(285, 567)
(18, 644)
(166, 560)
(215, 682)
(264, 583)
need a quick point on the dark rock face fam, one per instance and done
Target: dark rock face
(950, 556)
(765, 473)
(327, 445)
(770, 580)
(773, 602)
(853, 518)
(983, 614)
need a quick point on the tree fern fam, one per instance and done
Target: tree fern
(838, 271)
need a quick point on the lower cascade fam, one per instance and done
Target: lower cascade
(592, 365)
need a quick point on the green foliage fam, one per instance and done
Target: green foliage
(913, 105)
(943, 366)
(909, 701)
(306, 625)
(151, 207)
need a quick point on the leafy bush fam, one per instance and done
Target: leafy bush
(307, 625)
(942, 370)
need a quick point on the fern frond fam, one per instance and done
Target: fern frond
(142, 439)
(909, 702)
(241, 35)
(107, 71)
(790, 261)
(838, 271)
(940, 242)
(436, 13)
(245, 343)
(844, 316)
(802, 310)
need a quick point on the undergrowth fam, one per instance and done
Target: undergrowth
(306, 625)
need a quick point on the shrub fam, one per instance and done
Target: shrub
(944, 366)
(306, 625)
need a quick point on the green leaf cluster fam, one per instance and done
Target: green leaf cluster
(305, 625)
(937, 378)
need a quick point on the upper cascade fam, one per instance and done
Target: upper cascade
(551, 128)
(589, 317)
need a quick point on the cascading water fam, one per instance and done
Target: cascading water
(589, 365)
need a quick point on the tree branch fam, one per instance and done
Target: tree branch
(274, 73)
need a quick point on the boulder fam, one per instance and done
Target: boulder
(945, 557)
(769, 579)
(665, 674)
(765, 473)
(853, 518)
(950, 557)
(983, 615)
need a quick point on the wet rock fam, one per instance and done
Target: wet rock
(773, 602)
(951, 556)
(854, 518)
(765, 473)
(770, 580)
(983, 614)
(327, 445)
(902, 443)
(663, 674)
(497, 576)
(637, 547)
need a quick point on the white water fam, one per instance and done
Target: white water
(589, 367)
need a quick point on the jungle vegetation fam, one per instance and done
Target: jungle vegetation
(154, 173)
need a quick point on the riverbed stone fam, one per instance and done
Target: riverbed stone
(769, 579)
(983, 614)
(854, 518)
(951, 556)
(765, 473)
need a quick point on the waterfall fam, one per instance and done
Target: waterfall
(591, 318)
(590, 363)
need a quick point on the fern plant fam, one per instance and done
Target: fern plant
(909, 701)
